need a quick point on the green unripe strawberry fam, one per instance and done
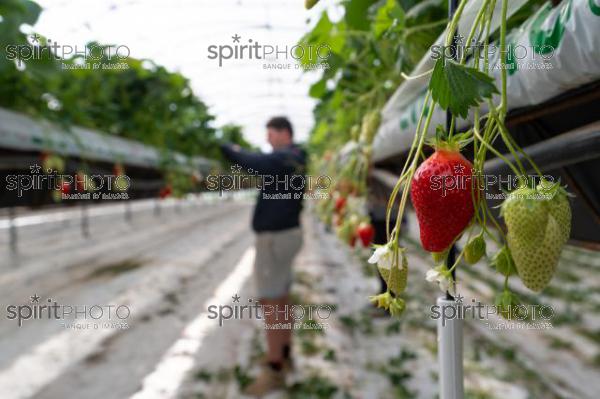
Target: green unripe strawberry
(396, 276)
(558, 205)
(370, 124)
(56, 196)
(355, 132)
(121, 183)
(507, 304)
(475, 249)
(345, 231)
(328, 210)
(536, 261)
(503, 262)
(53, 162)
(538, 223)
(525, 215)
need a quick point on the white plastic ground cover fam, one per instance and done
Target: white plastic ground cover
(23, 133)
(572, 29)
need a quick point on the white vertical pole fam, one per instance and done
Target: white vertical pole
(12, 229)
(450, 351)
(450, 332)
(85, 226)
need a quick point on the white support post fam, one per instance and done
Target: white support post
(12, 229)
(450, 352)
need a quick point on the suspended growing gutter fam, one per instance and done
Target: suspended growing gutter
(574, 25)
(23, 133)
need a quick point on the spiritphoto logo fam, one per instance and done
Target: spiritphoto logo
(76, 186)
(295, 316)
(288, 186)
(90, 56)
(486, 182)
(523, 316)
(515, 56)
(272, 56)
(80, 317)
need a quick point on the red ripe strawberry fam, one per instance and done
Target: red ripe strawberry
(44, 155)
(80, 181)
(366, 233)
(441, 195)
(65, 187)
(165, 192)
(352, 241)
(118, 169)
(340, 204)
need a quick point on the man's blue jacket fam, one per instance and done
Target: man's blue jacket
(283, 173)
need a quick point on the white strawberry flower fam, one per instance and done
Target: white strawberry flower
(441, 275)
(383, 257)
(433, 275)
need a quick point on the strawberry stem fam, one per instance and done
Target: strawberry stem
(503, 102)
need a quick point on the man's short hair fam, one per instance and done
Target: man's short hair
(281, 123)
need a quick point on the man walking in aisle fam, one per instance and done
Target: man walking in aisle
(276, 221)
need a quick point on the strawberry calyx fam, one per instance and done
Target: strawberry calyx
(439, 256)
(397, 307)
(394, 305)
(507, 304)
(551, 190)
(523, 194)
(441, 145)
(382, 300)
(545, 190)
(443, 142)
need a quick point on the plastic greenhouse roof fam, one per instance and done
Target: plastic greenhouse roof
(177, 34)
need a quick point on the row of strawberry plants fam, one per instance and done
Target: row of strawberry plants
(141, 101)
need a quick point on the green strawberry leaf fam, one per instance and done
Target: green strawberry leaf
(390, 15)
(458, 87)
(318, 90)
(356, 14)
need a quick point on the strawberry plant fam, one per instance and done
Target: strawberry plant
(444, 188)
(370, 49)
(345, 207)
